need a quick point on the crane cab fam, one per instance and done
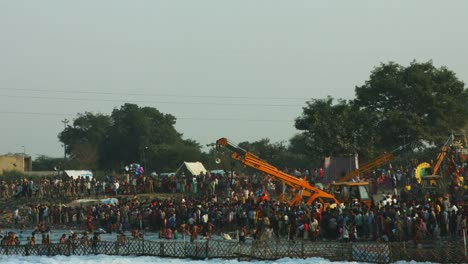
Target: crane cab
(346, 192)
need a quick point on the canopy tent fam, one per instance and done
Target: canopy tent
(191, 168)
(77, 173)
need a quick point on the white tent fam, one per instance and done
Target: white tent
(193, 168)
(76, 173)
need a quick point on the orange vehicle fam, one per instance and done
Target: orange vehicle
(348, 191)
(302, 189)
(427, 175)
(352, 192)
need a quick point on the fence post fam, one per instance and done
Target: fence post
(117, 248)
(207, 247)
(252, 248)
(302, 249)
(161, 249)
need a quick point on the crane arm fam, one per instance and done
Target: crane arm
(304, 188)
(441, 155)
(367, 166)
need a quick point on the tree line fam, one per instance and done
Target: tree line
(419, 103)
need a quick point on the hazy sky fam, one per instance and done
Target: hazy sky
(236, 69)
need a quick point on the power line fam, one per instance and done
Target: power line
(178, 118)
(144, 101)
(162, 95)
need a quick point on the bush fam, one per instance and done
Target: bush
(9, 175)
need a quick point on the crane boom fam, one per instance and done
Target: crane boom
(367, 166)
(303, 187)
(442, 154)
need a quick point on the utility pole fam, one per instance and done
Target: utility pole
(65, 123)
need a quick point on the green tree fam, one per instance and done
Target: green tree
(130, 134)
(168, 157)
(415, 103)
(335, 129)
(84, 140)
(147, 136)
(299, 155)
(45, 163)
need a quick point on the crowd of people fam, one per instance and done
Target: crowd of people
(222, 205)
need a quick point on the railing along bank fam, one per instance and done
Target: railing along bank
(440, 251)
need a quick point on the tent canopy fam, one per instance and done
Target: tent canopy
(192, 168)
(77, 173)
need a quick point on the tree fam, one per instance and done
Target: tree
(335, 129)
(84, 137)
(299, 155)
(167, 157)
(84, 156)
(45, 163)
(130, 134)
(147, 136)
(415, 103)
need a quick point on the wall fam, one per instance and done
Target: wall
(18, 162)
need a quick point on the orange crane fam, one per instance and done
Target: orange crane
(303, 189)
(367, 166)
(442, 154)
(433, 179)
(347, 191)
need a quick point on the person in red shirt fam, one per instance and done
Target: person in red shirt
(63, 239)
(89, 224)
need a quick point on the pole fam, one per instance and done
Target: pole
(464, 238)
(24, 156)
(65, 123)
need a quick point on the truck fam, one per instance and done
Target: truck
(349, 191)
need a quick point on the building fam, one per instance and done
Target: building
(18, 162)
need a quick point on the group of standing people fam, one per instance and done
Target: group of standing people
(211, 204)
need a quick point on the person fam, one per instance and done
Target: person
(85, 238)
(89, 224)
(194, 233)
(32, 241)
(45, 239)
(242, 234)
(135, 233)
(184, 229)
(122, 239)
(96, 238)
(63, 239)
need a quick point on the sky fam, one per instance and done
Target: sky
(238, 69)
